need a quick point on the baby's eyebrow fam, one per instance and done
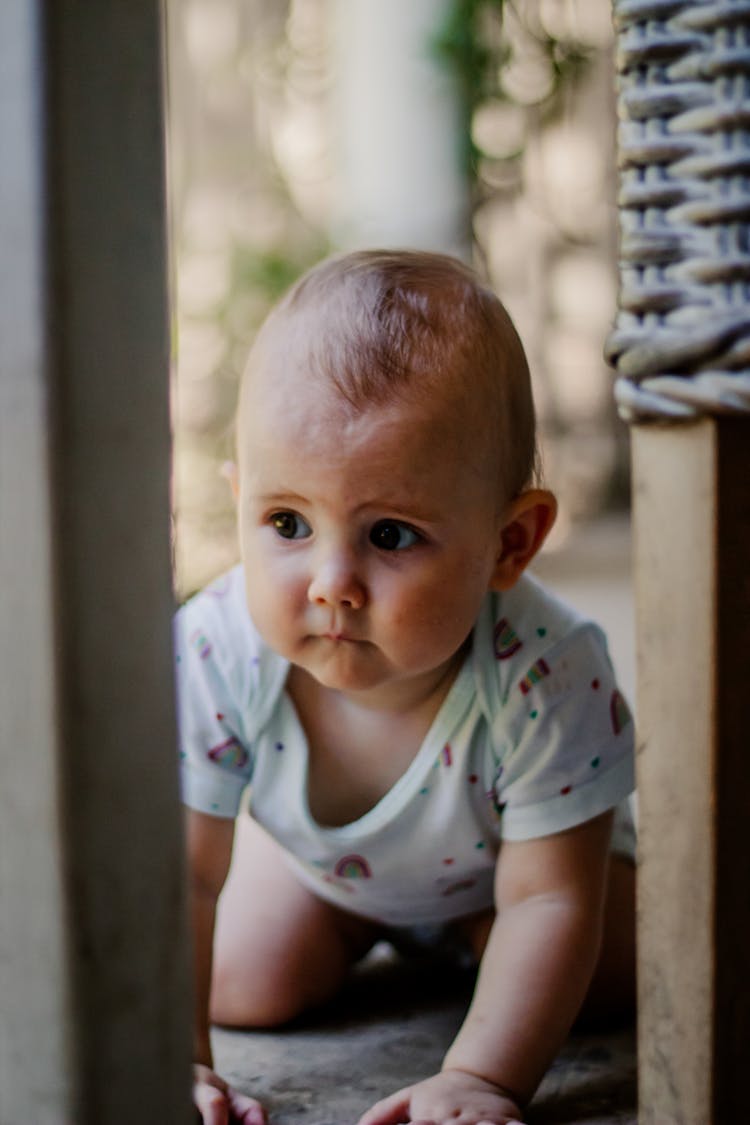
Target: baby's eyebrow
(403, 512)
(279, 497)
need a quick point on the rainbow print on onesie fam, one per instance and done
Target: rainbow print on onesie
(353, 867)
(506, 640)
(229, 754)
(535, 673)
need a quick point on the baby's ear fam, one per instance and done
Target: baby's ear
(527, 523)
(230, 473)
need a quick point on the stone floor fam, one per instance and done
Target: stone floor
(395, 1020)
(391, 1027)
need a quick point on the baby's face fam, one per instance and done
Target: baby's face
(369, 539)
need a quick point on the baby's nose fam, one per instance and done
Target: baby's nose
(336, 583)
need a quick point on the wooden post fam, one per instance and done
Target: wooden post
(692, 566)
(94, 1000)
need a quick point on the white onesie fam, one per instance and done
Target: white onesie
(533, 738)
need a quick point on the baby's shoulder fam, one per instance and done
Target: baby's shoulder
(529, 618)
(216, 618)
(525, 633)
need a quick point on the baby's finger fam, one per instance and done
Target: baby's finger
(211, 1103)
(245, 1110)
(393, 1110)
(514, 1121)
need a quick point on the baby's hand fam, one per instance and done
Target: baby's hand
(219, 1103)
(452, 1097)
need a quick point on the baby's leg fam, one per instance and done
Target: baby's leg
(278, 949)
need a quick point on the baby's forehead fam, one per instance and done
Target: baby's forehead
(372, 355)
(408, 455)
(373, 329)
(347, 386)
(305, 416)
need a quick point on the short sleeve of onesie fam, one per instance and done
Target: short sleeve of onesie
(223, 675)
(561, 731)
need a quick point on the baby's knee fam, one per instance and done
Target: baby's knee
(270, 1000)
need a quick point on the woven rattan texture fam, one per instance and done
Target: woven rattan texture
(681, 343)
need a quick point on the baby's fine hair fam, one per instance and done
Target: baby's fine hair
(378, 324)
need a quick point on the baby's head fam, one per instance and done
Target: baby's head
(386, 444)
(381, 327)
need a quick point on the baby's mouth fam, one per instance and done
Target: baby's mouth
(335, 629)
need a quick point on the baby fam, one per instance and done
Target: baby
(430, 738)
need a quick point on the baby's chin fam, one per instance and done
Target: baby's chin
(352, 667)
(371, 681)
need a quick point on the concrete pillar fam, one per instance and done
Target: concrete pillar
(94, 1000)
(400, 130)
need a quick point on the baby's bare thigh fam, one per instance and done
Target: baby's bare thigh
(278, 949)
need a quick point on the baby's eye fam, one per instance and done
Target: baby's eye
(389, 535)
(290, 526)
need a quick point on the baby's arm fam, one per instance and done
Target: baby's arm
(209, 848)
(537, 966)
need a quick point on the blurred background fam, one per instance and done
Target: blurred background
(484, 128)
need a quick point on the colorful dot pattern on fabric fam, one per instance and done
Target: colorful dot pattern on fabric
(506, 640)
(579, 678)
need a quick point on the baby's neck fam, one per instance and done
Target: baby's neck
(394, 699)
(348, 769)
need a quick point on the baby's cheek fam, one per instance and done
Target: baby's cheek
(411, 611)
(429, 625)
(266, 606)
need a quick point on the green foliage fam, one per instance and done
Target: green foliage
(476, 45)
(269, 272)
(469, 44)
